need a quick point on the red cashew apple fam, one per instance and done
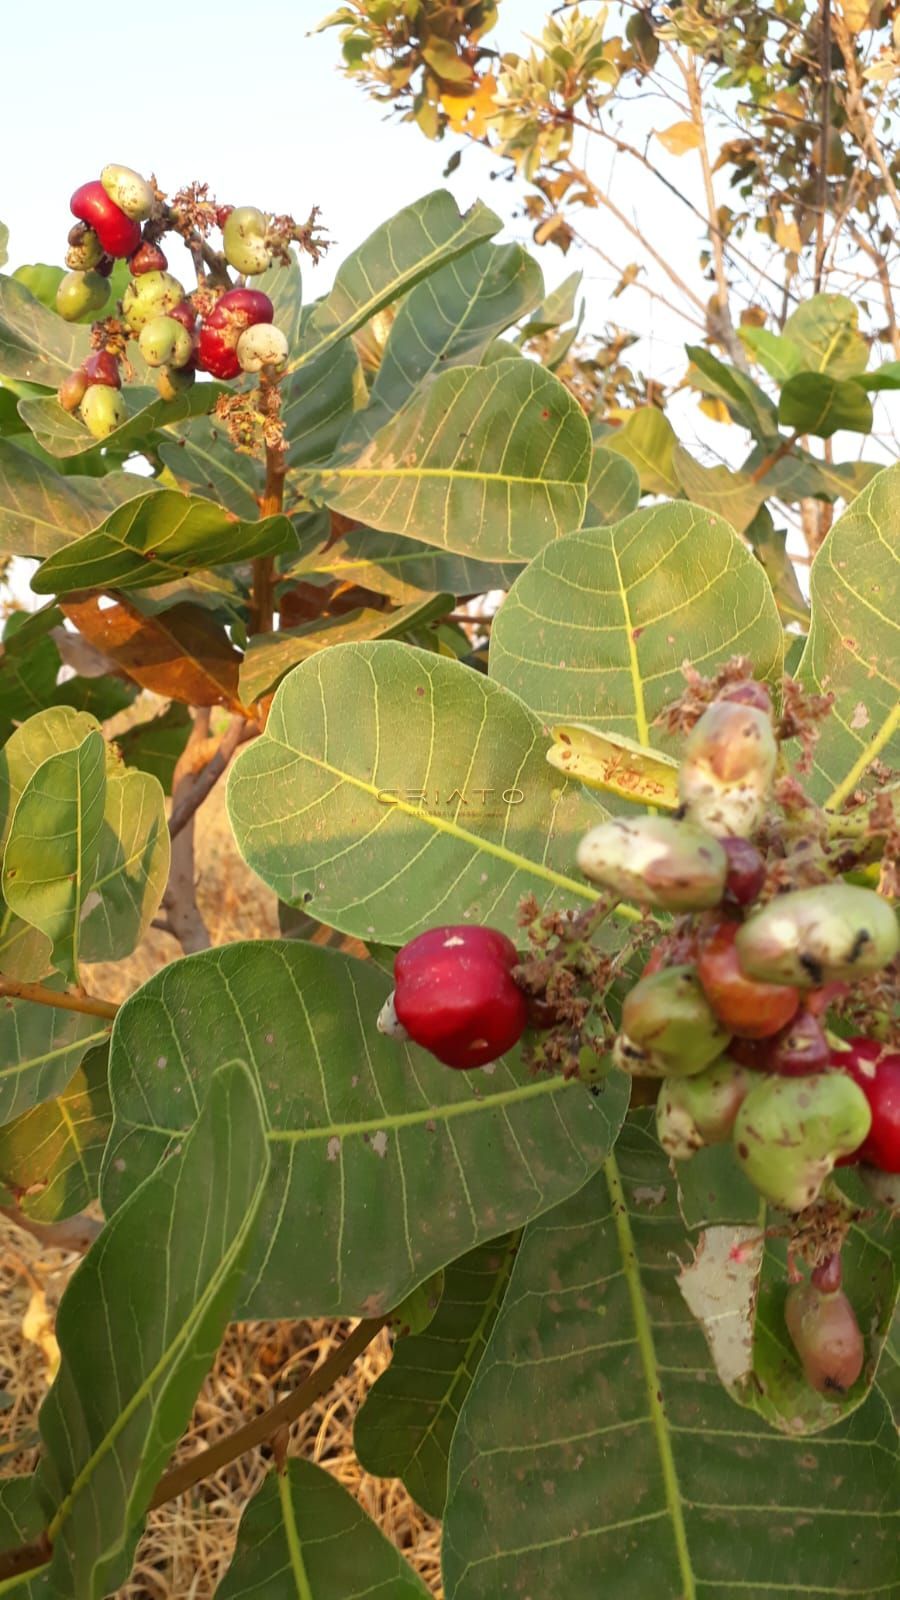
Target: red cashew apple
(101, 367)
(119, 235)
(877, 1071)
(748, 1008)
(455, 994)
(235, 311)
(746, 871)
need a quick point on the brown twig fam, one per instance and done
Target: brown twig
(857, 112)
(179, 900)
(769, 461)
(61, 999)
(824, 134)
(73, 1233)
(202, 782)
(726, 328)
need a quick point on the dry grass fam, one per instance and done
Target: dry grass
(187, 1544)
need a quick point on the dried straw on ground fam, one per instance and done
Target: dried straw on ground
(187, 1544)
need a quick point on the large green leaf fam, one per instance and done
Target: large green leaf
(647, 439)
(41, 512)
(50, 1156)
(63, 435)
(597, 1451)
(53, 850)
(201, 457)
(853, 649)
(825, 331)
(401, 568)
(132, 868)
(317, 402)
(816, 402)
(283, 283)
(393, 789)
(40, 1049)
(304, 1537)
(732, 495)
(156, 539)
(35, 344)
(489, 461)
(416, 241)
(613, 488)
(384, 1164)
(138, 1326)
(407, 1422)
(269, 656)
(746, 401)
(449, 320)
(778, 356)
(597, 627)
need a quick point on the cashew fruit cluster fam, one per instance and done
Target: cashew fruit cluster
(121, 216)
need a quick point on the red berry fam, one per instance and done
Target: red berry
(185, 314)
(147, 258)
(748, 693)
(232, 313)
(748, 1008)
(118, 234)
(877, 1071)
(101, 367)
(746, 871)
(455, 994)
(801, 1047)
(215, 355)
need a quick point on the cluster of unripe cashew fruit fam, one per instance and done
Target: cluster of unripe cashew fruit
(730, 1010)
(234, 334)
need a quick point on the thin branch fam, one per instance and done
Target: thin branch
(857, 111)
(824, 135)
(766, 465)
(668, 269)
(204, 781)
(73, 1233)
(61, 999)
(725, 325)
(881, 272)
(179, 900)
(588, 244)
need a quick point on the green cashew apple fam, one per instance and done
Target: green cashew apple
(40, 280)
(693, 1112)
(244, 241)
(128, 190)
(80, 292)
(85, 249)
(655, 861)
(825, 1334)
(102, 410)
(790, 1132)
(811, 936)
(165, 342)
(153, 294)
(726, 772)
(667, 1018)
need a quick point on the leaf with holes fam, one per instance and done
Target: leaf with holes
(183, 653)
(36, 345)
(489, 461)
(393, 789)
(409, 1415)
(270, 656)
(305, 1537)
(385, 1164)
(853, 649)
(156, 539)
(138, 1326)
(63, 435)
(412, 244)
(597, 627)
(50, 1156)
(816, 402)
(596, 1438)
(42, 512)
(401, 568)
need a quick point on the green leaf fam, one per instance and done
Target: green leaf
(35, 344)
(304, 1537)
(54, 846)
(100, 697)
(283, 283)
(488, 461)
(393, 788)
(40, 1049)
(613, 488)
(746, 401)
(132, 868)
(138, 1326)
(270, 655)
(853, 649)
(556, 309)
(647, 440)
(50, 1156)
(596, 1441)
(318, 401)
(396, 256)
(596, 629)
(155, 745)
(41, 512)
(29, 668)
(732, 495)
(825, 331)
(813, 402)
(63, 435)
(157, 539)
(778, 356)
(401, 568)
(770, 544)
(408, 1419)
(21, 1520)
(4, 242)
(887, 376)
(384, 1164)
(449, 320)
(204, 461)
